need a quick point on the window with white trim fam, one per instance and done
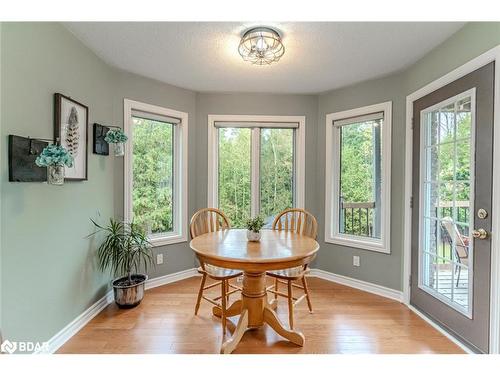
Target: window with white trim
(358, 154)
(156, 171)
(255, 166)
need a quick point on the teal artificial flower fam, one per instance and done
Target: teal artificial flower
(54, 155)
(115, 136)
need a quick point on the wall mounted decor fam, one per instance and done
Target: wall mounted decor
(101, 147)
(22, 155)
(117, 138)
(71, 123)
(56, 159)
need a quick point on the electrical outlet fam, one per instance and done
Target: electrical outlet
(355, 261)
(159, 258)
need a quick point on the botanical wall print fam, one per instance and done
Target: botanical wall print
(71, 119)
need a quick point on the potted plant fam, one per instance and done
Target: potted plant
(55, 158)
(118, 138)
(253, 228)
(124, 249)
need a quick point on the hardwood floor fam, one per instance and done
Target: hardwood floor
(345, 320)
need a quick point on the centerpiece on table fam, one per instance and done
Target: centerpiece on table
(117, 138)
(125, 248)
(55, 158)
(253, 228)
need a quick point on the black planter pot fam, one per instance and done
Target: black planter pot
(128, 296)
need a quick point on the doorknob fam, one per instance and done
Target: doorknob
(480, 234)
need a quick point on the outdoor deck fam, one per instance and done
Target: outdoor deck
(459, 293)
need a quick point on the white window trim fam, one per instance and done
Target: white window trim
(180, 167)
(213, 155)
(332, 156)
(423, 171)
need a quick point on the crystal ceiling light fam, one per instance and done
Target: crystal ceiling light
(261, 46)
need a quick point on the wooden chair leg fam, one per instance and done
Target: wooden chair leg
(223, 300)
(306, 291)
(276, 283)
(290, 304)
(227, 291)
(200, 293)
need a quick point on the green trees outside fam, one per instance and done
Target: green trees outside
(153, 168)
(235, 174)
(153, 174)
(152, 193)
(452, 161)
(357, 162)
(449, 168)
(276, 172)
(358, 176)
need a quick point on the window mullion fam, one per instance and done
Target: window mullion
(255, 176)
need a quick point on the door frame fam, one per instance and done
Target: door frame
(470, 66)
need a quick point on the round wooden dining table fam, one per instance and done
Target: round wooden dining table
(276, 250)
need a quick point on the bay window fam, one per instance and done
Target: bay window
(156, 171)
(358, 148)
(255, 165)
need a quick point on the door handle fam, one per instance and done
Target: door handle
(480, 234)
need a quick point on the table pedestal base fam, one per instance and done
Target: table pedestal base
(255, 311)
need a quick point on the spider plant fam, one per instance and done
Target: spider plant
(124, 250)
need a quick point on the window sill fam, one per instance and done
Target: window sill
(359, 243)
(158, 241)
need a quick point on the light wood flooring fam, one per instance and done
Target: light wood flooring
(345, 320)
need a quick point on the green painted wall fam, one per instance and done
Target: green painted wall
(176, 257)
(48, 273)
(47, 268)
(378, 268)
(471, 41)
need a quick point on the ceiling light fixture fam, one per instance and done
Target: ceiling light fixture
(261, 46)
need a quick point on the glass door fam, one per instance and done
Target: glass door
(451, 213)
(447, 186)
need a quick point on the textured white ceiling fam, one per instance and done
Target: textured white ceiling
(203, 56)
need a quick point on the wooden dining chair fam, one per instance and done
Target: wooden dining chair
(298, 221)
(204, 221)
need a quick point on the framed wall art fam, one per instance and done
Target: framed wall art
(71, 124)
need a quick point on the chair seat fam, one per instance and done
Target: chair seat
(219, 273)
(288, 273)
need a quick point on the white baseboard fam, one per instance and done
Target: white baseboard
(171, 278)
(359, 284)
(441, 330)
(79, 322)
